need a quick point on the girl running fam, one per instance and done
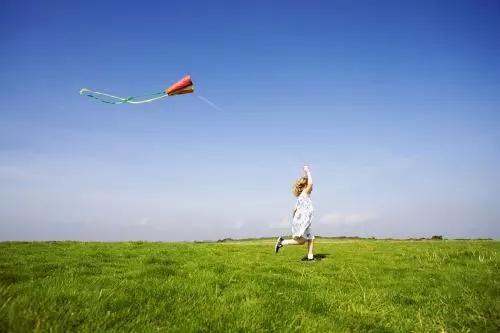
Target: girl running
(302, 216)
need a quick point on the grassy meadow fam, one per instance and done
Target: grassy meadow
(354, 285)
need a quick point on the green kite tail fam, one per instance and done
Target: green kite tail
(121, 100)
(181, 87)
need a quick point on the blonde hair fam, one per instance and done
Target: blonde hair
(299, 186)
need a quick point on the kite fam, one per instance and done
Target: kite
(183, 86)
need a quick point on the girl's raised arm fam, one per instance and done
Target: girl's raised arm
(308, 188)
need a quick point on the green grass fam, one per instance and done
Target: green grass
(357, 285)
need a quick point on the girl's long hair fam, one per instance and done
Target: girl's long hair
(299, 186)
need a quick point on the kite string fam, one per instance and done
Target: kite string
(207, 101)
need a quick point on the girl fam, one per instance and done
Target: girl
(302, 216)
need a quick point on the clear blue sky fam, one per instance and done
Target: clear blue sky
(395, 105)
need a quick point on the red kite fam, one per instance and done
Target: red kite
(184, 86)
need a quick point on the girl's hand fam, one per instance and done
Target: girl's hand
(306, 169)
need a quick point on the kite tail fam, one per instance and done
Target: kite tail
(111, 99)
(183, 86)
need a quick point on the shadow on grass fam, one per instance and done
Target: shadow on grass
(317, 257)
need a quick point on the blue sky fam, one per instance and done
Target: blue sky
(394, 104)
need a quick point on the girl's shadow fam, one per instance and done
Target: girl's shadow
(317, 257)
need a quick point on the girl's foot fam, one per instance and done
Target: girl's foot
(310, 256)
(278, 245)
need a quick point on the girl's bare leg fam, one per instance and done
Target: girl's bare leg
(310, 245)
(294, 241)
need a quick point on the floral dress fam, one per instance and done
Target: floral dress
(301, 224)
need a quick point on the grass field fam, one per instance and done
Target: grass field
(355, 285)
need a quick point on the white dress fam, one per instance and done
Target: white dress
(301, 224)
